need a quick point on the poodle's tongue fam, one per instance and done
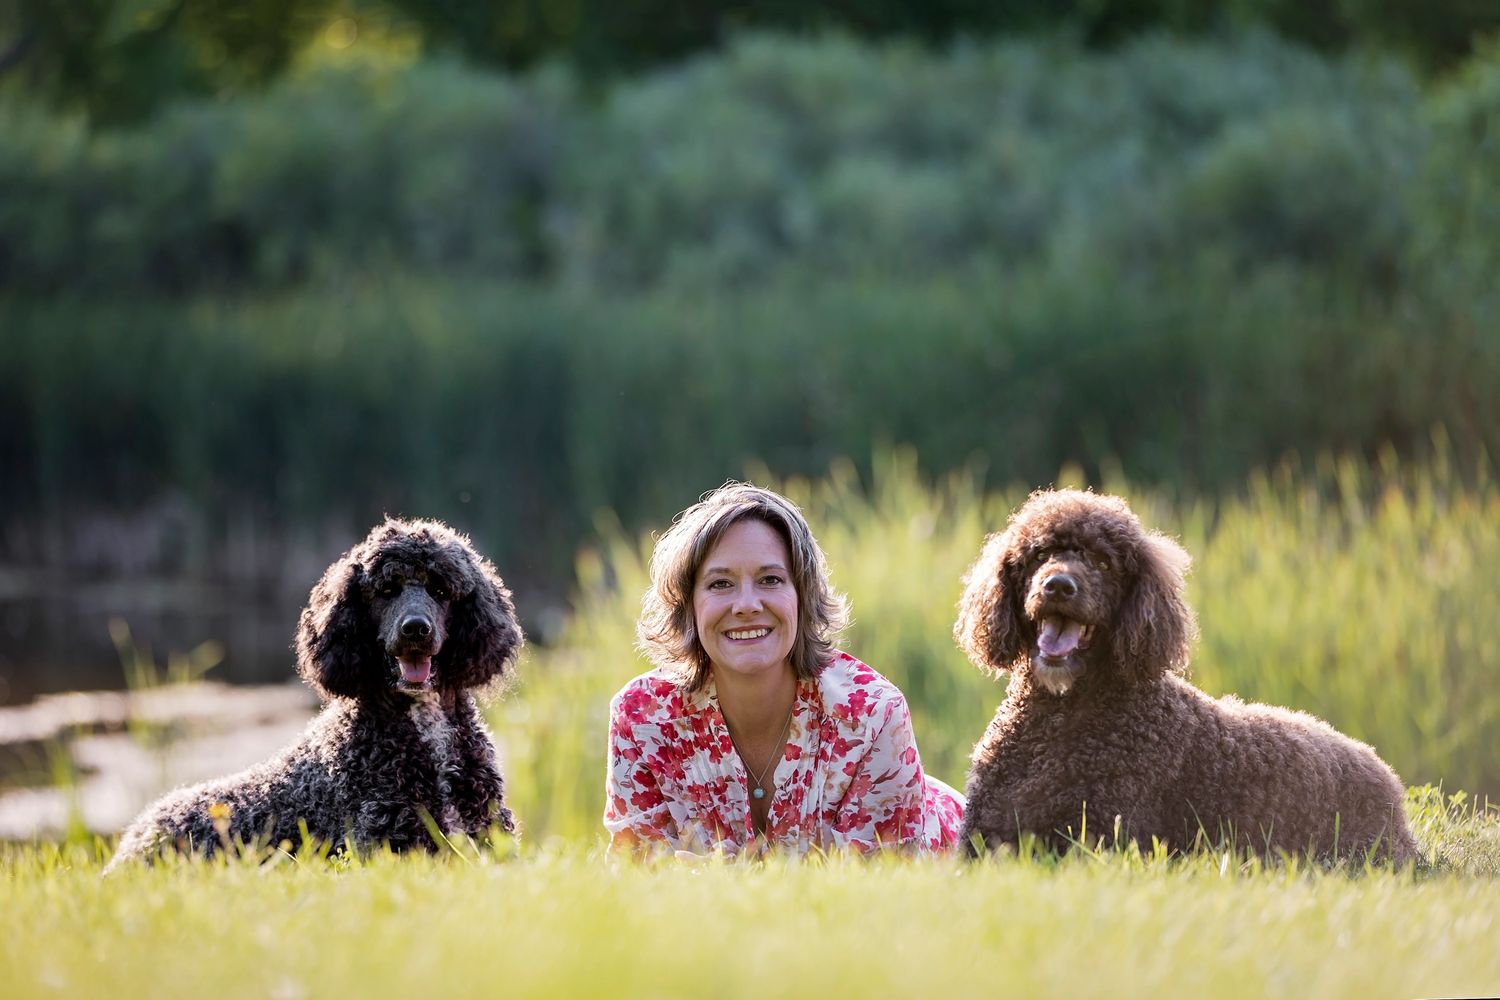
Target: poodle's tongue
(1059, 637)
(416, 671)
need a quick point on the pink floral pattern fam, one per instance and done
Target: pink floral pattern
(850, 775)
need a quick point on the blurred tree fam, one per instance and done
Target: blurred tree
(609, 35)
(1436, 34)
(604, 37)
(1439, 34)
(118, 59)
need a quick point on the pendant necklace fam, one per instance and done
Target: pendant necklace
(759, 791)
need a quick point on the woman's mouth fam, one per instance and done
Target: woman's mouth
(741, 635)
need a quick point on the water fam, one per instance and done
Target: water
(55, 633)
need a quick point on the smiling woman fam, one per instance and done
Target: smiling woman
(753, 730)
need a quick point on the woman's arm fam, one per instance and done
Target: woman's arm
(882, 807)
(635, 811)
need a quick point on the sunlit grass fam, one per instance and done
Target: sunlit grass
(571, 922)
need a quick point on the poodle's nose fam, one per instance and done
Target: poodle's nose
(416, 627)
(1060, 585)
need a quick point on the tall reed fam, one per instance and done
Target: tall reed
(1358, 591)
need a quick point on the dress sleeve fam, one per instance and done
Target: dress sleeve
(883, 805)
(635, 811)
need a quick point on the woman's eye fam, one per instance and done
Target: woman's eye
(717, 584)
(771, 581)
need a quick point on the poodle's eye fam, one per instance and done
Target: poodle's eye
(438, 591)
(1103, 564)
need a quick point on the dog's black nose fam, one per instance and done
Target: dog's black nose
(1060, 585)
(416, 627)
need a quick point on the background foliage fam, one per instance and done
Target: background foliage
(820, 158)
(420, 288)
(122, 59)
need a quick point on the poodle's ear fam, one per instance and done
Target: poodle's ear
(989, 625)
(336, 652)
(1156, 628)
(483, 637)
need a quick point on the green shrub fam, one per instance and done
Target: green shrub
(504, 405)
(504, 301)
(828, 157)
(1460, 197)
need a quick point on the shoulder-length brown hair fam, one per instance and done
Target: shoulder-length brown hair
(666, 629)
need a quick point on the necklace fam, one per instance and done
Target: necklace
(759, 791)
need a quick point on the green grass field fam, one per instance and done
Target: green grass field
(1363, 593)
(572, 922)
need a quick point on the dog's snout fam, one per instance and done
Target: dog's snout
(1060, 585)
(416, 627)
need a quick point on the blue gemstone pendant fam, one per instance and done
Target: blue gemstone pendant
(759, 793)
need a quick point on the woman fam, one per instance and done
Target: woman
(753, 730)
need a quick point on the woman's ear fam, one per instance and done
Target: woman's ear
(989, 626)
(1156, 628)
(338, 653)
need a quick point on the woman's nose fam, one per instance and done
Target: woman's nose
(746, 600)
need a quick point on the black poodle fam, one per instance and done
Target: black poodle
(1086, 609)
(394, 636)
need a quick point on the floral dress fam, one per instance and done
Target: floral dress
(850, 775)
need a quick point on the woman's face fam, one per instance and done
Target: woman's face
(744, 602)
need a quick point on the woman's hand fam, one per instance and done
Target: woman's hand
(754, 851)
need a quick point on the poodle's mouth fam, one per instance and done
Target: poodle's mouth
(416, 672)
(1059, 638)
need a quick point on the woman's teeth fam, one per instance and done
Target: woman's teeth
(753, 633)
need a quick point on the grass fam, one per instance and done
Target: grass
(569, 922)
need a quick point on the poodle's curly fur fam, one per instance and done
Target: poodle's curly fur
(394, 637)
(1085, 608)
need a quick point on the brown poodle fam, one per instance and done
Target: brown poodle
(1085, 608)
